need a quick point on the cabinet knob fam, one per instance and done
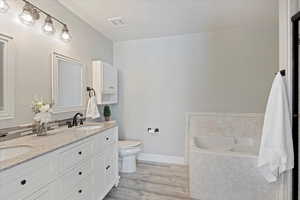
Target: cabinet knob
(80, 152)
(79, 173)
(79, 191)
(107, 138)
(107, 167)
(23, 182)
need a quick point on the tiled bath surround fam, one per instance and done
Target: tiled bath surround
(227, 174)
(217, 124)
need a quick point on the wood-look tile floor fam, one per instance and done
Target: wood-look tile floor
(153, 182)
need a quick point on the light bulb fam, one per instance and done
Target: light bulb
(26, 16)
(3, 6)
(65, 35)
(48, 27)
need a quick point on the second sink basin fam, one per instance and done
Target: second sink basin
(7, 153)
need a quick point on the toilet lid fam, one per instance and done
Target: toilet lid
(128, 144)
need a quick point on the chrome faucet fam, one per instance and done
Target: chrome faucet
(76, 118)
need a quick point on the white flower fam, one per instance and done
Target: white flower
(45, 108)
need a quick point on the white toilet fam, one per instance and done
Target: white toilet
(128, 151)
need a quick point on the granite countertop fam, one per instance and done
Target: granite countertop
(44, 144)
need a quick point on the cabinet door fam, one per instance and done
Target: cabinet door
(105, 83)
(99, 178)
(111, 166)
(110, 79)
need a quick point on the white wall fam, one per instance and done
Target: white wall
(163, 78)
(1, 76)
(33, 53)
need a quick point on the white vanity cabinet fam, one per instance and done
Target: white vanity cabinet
(84, 170)
(105, 82)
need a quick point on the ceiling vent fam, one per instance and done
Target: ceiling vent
(117, 21)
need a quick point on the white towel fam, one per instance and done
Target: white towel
(276, 150)
(92, 109)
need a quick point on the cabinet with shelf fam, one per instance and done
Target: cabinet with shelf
(105, 82)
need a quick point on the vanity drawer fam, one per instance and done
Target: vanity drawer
(26, 183)
(105, 139)
(70, 157)
(82, 191)
(75, 176)
(42, 194)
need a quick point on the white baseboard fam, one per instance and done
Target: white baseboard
(161, 158)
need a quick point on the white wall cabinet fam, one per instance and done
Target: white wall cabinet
(105, 82)
(85, 170)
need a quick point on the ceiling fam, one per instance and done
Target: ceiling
(158, 18)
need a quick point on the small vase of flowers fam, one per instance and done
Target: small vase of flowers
(42, 117)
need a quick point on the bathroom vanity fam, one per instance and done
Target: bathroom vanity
(72, 164)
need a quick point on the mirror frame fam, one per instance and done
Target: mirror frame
(54, 83)
(8, 111)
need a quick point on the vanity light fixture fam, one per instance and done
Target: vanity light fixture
(3, 6)
(48, 27)
(28, 15)
(65, 34)
(31, 13)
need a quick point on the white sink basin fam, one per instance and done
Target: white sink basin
(13, 151)
(91, 127)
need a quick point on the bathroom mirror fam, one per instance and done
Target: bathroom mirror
(6, 77)
(67, 84)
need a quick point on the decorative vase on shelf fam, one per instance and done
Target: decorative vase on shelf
(107, 113)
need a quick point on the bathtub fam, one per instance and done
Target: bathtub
(224, 168)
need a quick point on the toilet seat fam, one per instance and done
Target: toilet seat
(126, 144)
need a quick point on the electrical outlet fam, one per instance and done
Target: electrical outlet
(153, 130)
